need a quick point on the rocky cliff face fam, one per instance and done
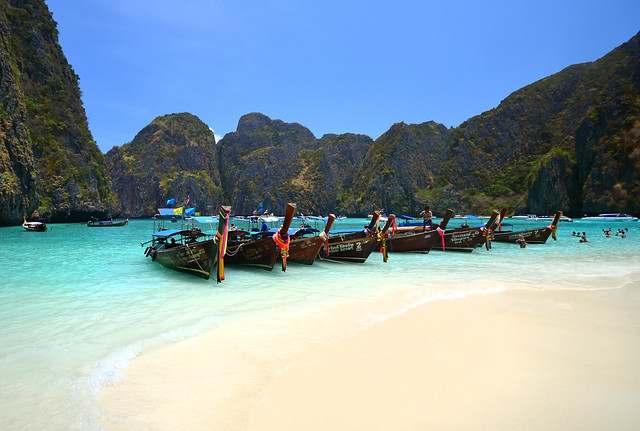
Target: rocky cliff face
(51, 167)
(259, 162)
(568, 142)
(174, 157)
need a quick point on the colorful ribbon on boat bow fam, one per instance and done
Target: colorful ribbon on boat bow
(221, 240)
(284, 248)
(383, 247)
(441, 232)
(487, 237)
(325, 239)
(554, 229)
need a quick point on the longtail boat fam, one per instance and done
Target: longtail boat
(467, 239)
(355, 246)
(531, 236)
(34, 226)
(420, 239)
(261, 249)
(94, 222)
(305, 249)
(188, 249)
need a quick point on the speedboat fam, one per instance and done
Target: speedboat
(612, 217)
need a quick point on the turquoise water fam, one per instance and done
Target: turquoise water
(78, 303)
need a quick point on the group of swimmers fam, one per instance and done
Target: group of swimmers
(622, 233)
(583, 237)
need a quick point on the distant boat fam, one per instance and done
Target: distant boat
(94, 222)
(612, 217)
(533, 217)
(524, 217)
(34, 226)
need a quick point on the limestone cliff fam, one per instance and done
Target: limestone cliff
(174, 157)
(259, 162)
(50, 166)
(568, 142)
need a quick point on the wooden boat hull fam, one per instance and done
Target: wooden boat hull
(413, 242)
(262, 253)
(305, 250)
(465, 240)
(350, 248)
(531, 236)
(196, 258)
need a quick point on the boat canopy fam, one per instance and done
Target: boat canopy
(291, 231)
(166, 233)
(166, 211)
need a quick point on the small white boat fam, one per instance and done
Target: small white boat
(612, 217)
(525, 217)
(533, 217)
(34, 226)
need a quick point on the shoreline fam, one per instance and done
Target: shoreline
(521, 358)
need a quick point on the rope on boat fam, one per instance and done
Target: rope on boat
(191, 255)
(234, 252)
(554, 229)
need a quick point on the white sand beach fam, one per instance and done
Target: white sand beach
(518, 359)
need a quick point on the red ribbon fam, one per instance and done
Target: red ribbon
(441, 232)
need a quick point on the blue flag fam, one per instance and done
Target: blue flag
(171, 201)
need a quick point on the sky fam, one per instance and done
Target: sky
(346, 66)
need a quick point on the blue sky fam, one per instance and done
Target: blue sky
(332, 66)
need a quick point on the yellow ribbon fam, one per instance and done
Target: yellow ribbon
(383, 248)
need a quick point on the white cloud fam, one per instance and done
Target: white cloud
(218, 137)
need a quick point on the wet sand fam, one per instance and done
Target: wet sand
(518, 359)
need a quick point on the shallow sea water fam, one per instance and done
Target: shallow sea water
(78, 303)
